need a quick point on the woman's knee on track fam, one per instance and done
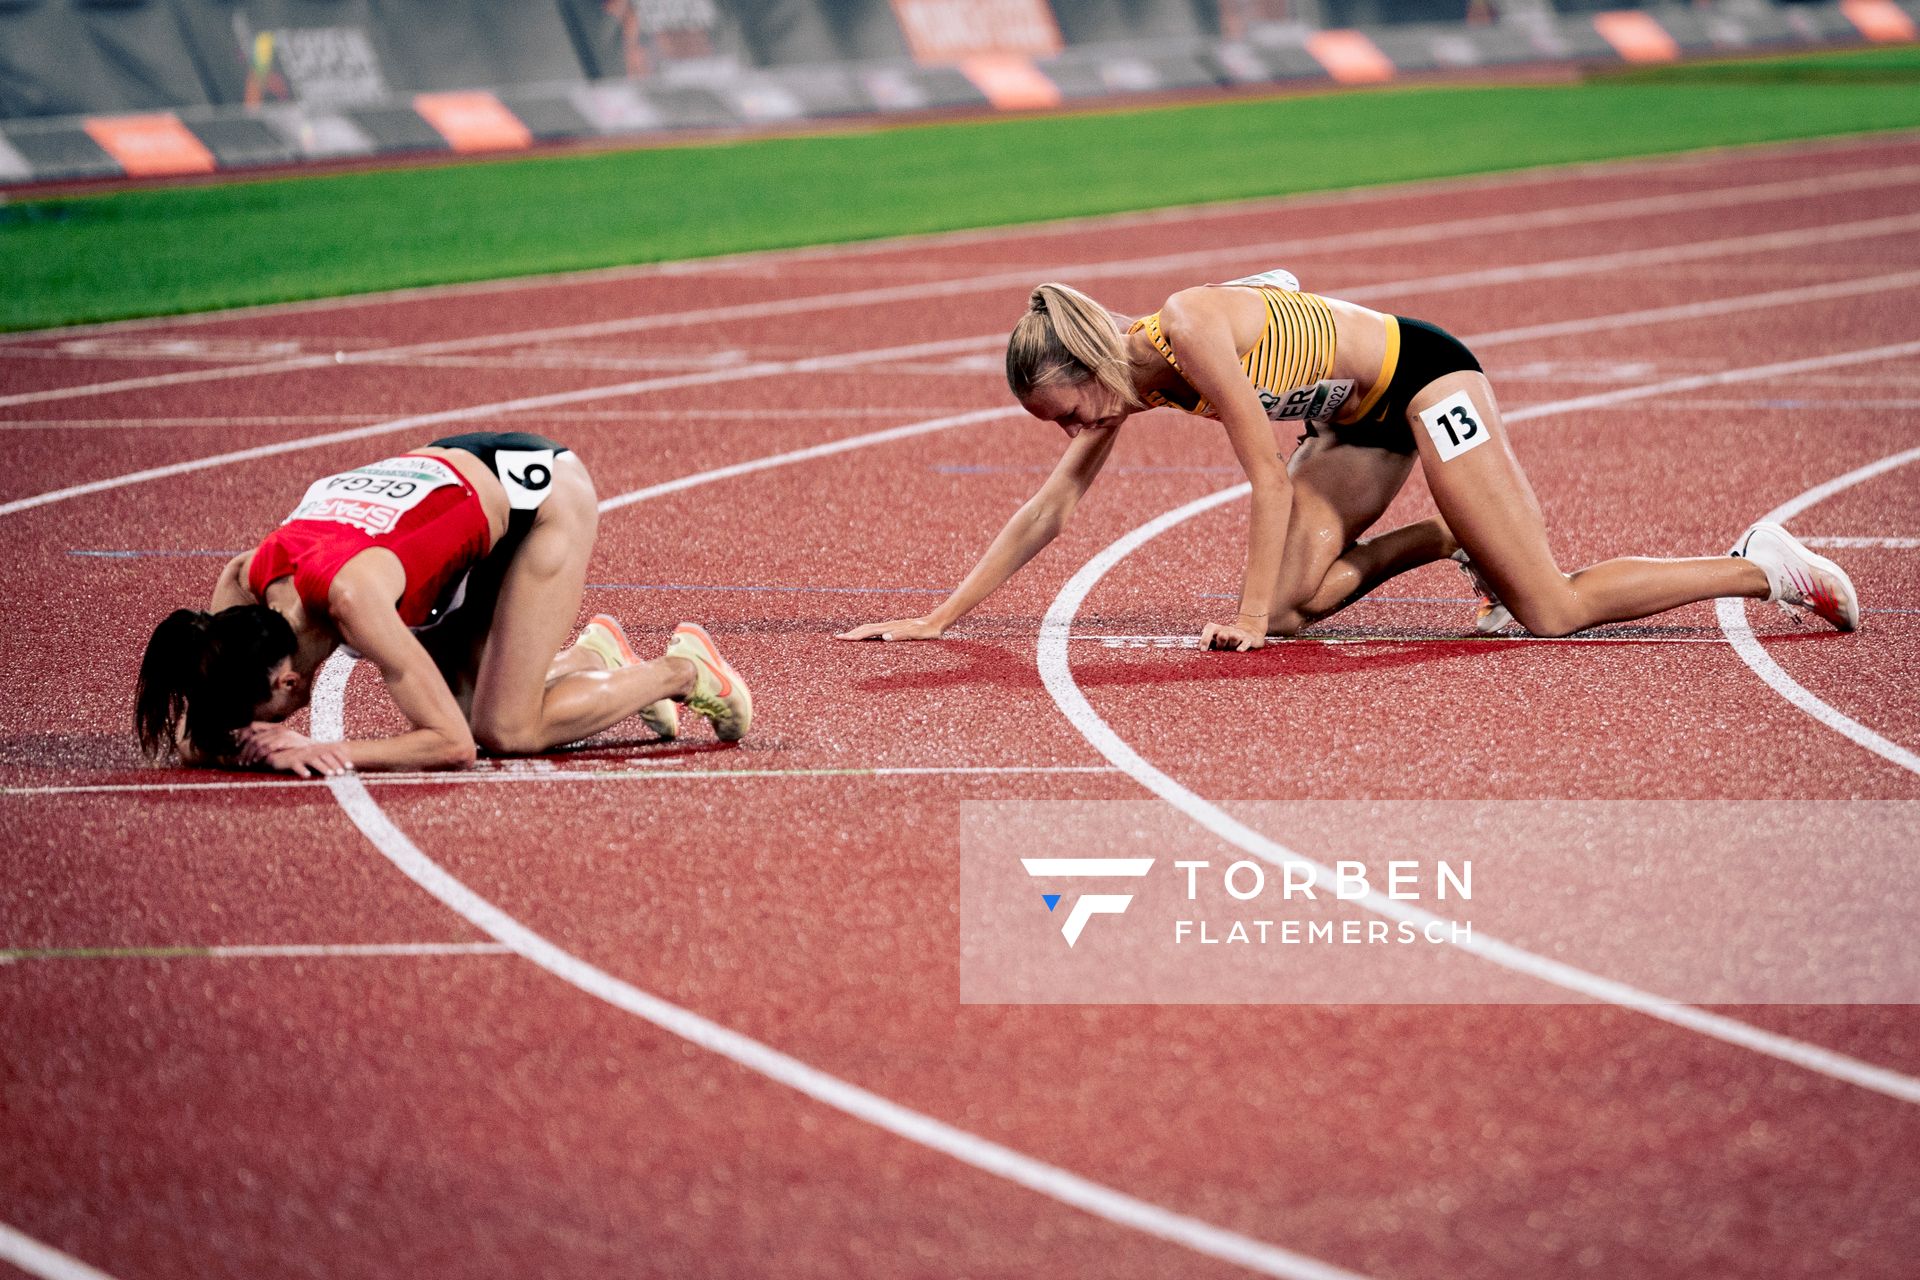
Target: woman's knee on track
(1550, 614)
(504, 737)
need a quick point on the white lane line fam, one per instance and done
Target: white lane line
(43, 1260)
(805, 455)
(1191, 641)
(1726, 377)
(253, 951)
(703, 415)
(1890, 544)
(850, 1099)
(1057, 674)
(766, 369)
(328, 714)
(820, 364)
(1703, 310)
(1733, 621)
(1488, 224)
(1705, 160)
(661, 772)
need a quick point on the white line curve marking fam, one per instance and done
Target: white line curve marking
(43, 1260)
(1732, 616)
(259, 951)
(329, 724)
(1346, 242)
(1057, 675)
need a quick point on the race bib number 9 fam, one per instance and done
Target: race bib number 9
(374, 497)
(527, 475)
(1455, 426)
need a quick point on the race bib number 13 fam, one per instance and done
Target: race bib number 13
(1455, 426)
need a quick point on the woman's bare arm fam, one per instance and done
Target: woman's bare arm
(1037, 523)
(361, 602)
(1199, 325)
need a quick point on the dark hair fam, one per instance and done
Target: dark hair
(208, 670)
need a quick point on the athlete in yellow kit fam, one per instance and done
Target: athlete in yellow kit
(1373, 393)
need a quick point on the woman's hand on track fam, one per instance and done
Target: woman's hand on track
(284, 750)
(898, 629)
(263, 737)
(1232, 636)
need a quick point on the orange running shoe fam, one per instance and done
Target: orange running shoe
(719, 693)
(606, 639)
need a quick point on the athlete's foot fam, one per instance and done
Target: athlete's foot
(1798, 577)
(718, 693)
(1489, 615)
(606, 640)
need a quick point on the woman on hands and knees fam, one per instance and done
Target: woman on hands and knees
(1374, 394)
(457, 569)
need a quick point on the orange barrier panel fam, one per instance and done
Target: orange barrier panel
(1011, 83)
(473, 121)
(150, 146)
(1635, 36)
(1350, 57)
(1880, 20)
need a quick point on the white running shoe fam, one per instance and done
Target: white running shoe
(1489, 616)
(1798, 577)
(606, 639)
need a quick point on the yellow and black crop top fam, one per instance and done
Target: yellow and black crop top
(1290, 365)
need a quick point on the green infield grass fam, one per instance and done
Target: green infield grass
(185, 248)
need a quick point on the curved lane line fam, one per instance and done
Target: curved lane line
(329, 724)
(862, 1104)
(1732, 615)
(36, 1259)
(1056, 673)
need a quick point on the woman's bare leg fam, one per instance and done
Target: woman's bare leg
(1368, 563)
(1486, 501)
(519, 704)
(1338, 491)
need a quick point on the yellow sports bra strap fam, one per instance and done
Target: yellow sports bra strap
(1152, 325)
(1389, 363)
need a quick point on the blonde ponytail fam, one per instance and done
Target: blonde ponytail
(1067, 337)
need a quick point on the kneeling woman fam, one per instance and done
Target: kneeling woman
(457, 569)
(1375, 394)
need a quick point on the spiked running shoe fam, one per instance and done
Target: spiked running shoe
(1489, 616)
(606, 639)
(1798, 577)
(719, 693)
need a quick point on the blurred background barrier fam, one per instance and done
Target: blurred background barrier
(138, 88)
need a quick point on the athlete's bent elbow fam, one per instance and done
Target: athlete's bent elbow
(457, 753)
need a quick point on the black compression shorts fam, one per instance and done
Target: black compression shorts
(1427, 354)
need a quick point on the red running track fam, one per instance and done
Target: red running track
(348, 1111)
